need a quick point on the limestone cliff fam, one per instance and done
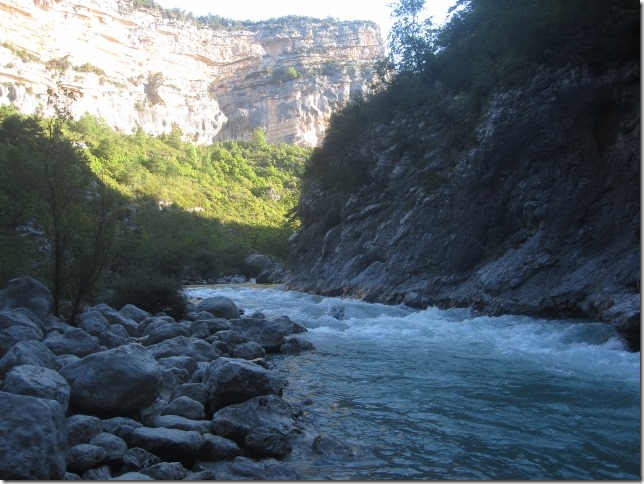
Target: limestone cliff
(540, 215)
(138, 68)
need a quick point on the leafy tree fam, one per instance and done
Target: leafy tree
(410, 37)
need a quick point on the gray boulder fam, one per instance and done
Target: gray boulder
(199, 349)
(82, 428)
(74, 342)
(85, 456)
(215, 447)
(295, 346)
(187, 363)
(16, 334)
(137, 458)
(267, 442)
(214, 324)
(168, 471)
(100, 473)
(34, 438)
(130, 311)
(170, 445)
(247, 351)
(269, 412)
(121, 427)
(164, 332)
(117, 319)
(92, 322)
(258, 263)
(180, 423)
(114, 382)
(195, 391)
(21, 317)
(37, 381)
(26, 292)
(111, 340)
(229, 381)
(219, 307)
(28, 353)
(133, 476)
(185, 407)
(115, 447)
(269, 333)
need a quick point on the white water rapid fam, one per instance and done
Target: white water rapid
(439, 394)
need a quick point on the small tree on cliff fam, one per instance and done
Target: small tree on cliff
(410, 38)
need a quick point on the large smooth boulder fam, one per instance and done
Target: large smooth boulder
(220, 307)
(269, 412)
(16, 334)
(28, 353)
(164, 332)
(269, 333)
(92, 322)
(185, 407)
(114, 382)
(229, 381)
(21, 317)
(27, 292)
(197, 348)
(169, 444)
(258, 263)
(33, 438)
(37, 381)
(215, 447)
(130, 311)
(73, 342)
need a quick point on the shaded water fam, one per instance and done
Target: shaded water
(443, 395)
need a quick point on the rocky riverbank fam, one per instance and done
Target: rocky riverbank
(124, 394)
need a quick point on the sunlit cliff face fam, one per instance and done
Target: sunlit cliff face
(140, 69)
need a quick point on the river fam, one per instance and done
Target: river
(440, 394)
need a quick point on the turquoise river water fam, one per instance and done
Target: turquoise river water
(437, 394)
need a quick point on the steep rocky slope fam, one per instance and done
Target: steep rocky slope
(139, 68)
(540, 215)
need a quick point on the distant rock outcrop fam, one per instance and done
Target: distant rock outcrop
(138, 68)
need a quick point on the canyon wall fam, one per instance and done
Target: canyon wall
(139, 68)
(540, 215)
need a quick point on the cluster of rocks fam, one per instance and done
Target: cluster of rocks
(127, 395)
(260, 269)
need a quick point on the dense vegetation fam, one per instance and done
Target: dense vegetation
(100, 215)
(450, 72)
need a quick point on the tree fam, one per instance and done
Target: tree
(410, 39)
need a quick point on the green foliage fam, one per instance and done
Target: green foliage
(174, 210)
(410, 37)
(284, 75)
(24, 55)
(87, 67)
(148, 290)
(450, 72)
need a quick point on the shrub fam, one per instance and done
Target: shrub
(148, 290)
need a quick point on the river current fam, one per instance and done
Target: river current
(441, 394)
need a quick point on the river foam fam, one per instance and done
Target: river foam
(446, 395)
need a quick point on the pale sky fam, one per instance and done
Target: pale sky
(376, 10)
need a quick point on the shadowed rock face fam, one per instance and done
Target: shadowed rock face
(540, 215)
(138, 68)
